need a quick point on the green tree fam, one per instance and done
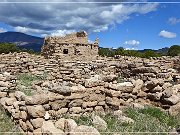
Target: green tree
(8, 47)
(174, 50)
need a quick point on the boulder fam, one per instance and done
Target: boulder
(109, 78)
(99, 123)
(174, 99)
(69, 125)
(75, 110)
(48, 128)
(36, 111)
(37, 132)
(138, 85)
(20, 96)
(36, 99)
(37, 123)
(175, 109)
(3, 94)
(60, 123)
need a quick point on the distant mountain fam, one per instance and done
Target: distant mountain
(162, 51)
(22, 40)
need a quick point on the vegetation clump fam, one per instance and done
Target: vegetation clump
(149, 120)
(6, 124)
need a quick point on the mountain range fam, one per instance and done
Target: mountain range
(22, 40)
(31, 42)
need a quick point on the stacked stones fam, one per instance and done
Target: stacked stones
(7, 84)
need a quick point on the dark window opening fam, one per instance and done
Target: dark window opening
(91, 46)
(65, 51)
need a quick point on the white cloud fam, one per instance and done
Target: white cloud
(28, 30)
(167, 34)
(62, 32)
(49, 18)
(173, 20)
(132, 42)
(2, 30)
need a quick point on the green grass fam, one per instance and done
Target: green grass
(6, 124)
(24, 82)
(147, 120)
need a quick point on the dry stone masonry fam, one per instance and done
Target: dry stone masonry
(71, 46)
(76, 87)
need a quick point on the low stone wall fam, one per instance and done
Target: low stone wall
(77, 88)
(30, 112)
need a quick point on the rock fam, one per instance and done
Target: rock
(36, 99)
(75, 103)
(137, 106)
(69, 125)
(167, 93)
(60, 124)
(37, 132)
(23, 125)
(37, 123)
(99, 123)
(156, 89)
(118, 113)
(10, 101)
(29, 126)
(62, 111)
(173, 132)
(3, 94)
(99, 109)
(58, 104)
(75, 110)
(138, 85)
(114, 102)
(78, 88)
(145, 70)
(84, 130)
(109, 78)
(175, 109)
(48, 128)
(125, 119)
(154, 96)
(89, 104)
(36, 111)
(123, 87)
(174, 99)
(20, 96)
(46, 116)
(23, 115)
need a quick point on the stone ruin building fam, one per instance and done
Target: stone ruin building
(73, 46)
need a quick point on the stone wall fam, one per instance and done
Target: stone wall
(77, 88)
(70, 47)
(98, 95)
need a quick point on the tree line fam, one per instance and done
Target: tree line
(173, 51)
(108, 52)
(10, 47)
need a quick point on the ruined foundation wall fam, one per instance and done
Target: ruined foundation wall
(70, 47)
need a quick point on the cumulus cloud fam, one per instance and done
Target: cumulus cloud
(49, 18)
(132, 42)
(173, 20)
(2, 30)
(167, 34)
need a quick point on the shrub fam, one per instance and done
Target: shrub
(8, 47)
(174, 50)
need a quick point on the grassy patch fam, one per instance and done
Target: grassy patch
(24, 82)
(6, 124)
(27, 79)
(147, 121)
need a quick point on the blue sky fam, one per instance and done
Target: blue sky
(133, 26)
